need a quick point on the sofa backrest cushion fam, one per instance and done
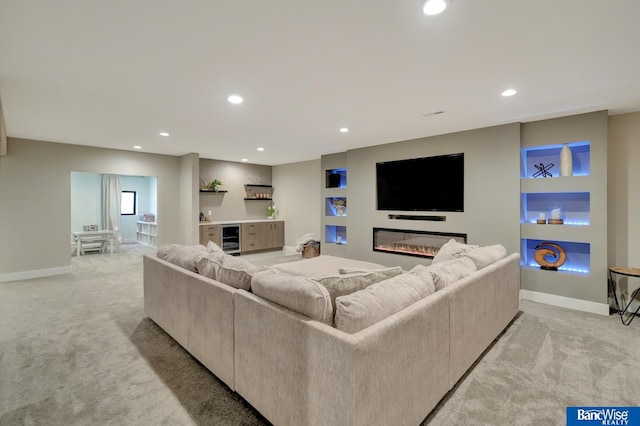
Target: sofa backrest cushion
(237, 272)
(295, 292)
(452, 250)
(357, 311)
(343, 284)
(184, 256)
(450, 271)
(209, 264)
(485, 256)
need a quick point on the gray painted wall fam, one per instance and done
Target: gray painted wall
(232, 205)
(492, 189)
(297, 198)
(188, 196)
(35, 201)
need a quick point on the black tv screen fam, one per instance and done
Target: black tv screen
(422, 184)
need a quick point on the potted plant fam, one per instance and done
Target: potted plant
(215, 185)
(271, 212)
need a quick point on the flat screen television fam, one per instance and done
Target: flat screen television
(422, 184)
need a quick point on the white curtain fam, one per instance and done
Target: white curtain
(111, 193)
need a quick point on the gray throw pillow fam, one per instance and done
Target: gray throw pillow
(184, 256)
(452, 250)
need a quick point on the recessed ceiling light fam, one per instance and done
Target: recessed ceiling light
(245, 160)
(434, 7)
(235, 99)
(260, 148)
(509, 92)
(165, 134)
(344, 129)
(137, 147)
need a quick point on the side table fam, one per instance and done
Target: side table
(629, 272)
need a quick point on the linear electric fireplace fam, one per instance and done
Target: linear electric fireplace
(412, 243)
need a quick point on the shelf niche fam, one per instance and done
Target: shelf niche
(334, 234)
(336, 178)
(578, 256)
(550, 154)
(575, 207)
(330, 208)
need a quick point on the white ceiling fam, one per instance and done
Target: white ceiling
(116, 73)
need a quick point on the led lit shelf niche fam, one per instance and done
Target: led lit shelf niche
(334, 234)
(575, 207)
(336, 178)
(550, 154)
(578, 257)
(335, 206)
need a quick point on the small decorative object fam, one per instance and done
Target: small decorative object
(215, 185)
(566, 161)
(557, 254)
(201, 217)
(340, 204)
(543, 170)
(555, 217)
(542, 219)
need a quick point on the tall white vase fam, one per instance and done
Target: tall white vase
(566, 162)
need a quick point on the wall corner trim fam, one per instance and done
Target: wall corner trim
(38, 273)
(565, 302)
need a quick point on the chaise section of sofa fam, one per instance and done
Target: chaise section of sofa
(297, 371)
(195, 310)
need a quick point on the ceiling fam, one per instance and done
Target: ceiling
(117, 73)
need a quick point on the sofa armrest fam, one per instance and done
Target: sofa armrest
(195, 310)
(298, 371)
(482, 305)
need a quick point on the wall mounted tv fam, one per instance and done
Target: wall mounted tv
(422, 184)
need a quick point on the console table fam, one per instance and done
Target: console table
(628, 272)
(92, 237)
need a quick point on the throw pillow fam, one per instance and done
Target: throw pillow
(357, 311)
(214, 248)
(297, 293)
(184, 256)
(450, 271)
(452, 250)
(484, 256)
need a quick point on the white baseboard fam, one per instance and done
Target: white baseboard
(38, 273)
(565, 302)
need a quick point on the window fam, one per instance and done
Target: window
(128, 203)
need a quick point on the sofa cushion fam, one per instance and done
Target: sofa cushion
(343, 284)
(184, 256)
(324, 266)
(485, 256)
(210, 263)
(452, 250)
(237, 272)
(295, 292)
(363, 308)
(449, 271)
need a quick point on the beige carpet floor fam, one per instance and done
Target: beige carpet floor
(77, 349)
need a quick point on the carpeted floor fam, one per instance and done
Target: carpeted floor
(77, 350)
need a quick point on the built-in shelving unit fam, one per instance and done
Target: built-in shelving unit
(147, 233)
(257, 192)
(578, 199)
(334, 208)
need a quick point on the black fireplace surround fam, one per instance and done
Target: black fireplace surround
(411, 242)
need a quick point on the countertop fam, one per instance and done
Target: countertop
(230, 222)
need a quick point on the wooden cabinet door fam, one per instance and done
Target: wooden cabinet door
(209, 233)
(276, 235)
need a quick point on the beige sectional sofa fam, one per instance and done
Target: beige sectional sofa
(297, 370)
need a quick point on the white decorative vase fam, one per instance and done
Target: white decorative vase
(566, 162)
